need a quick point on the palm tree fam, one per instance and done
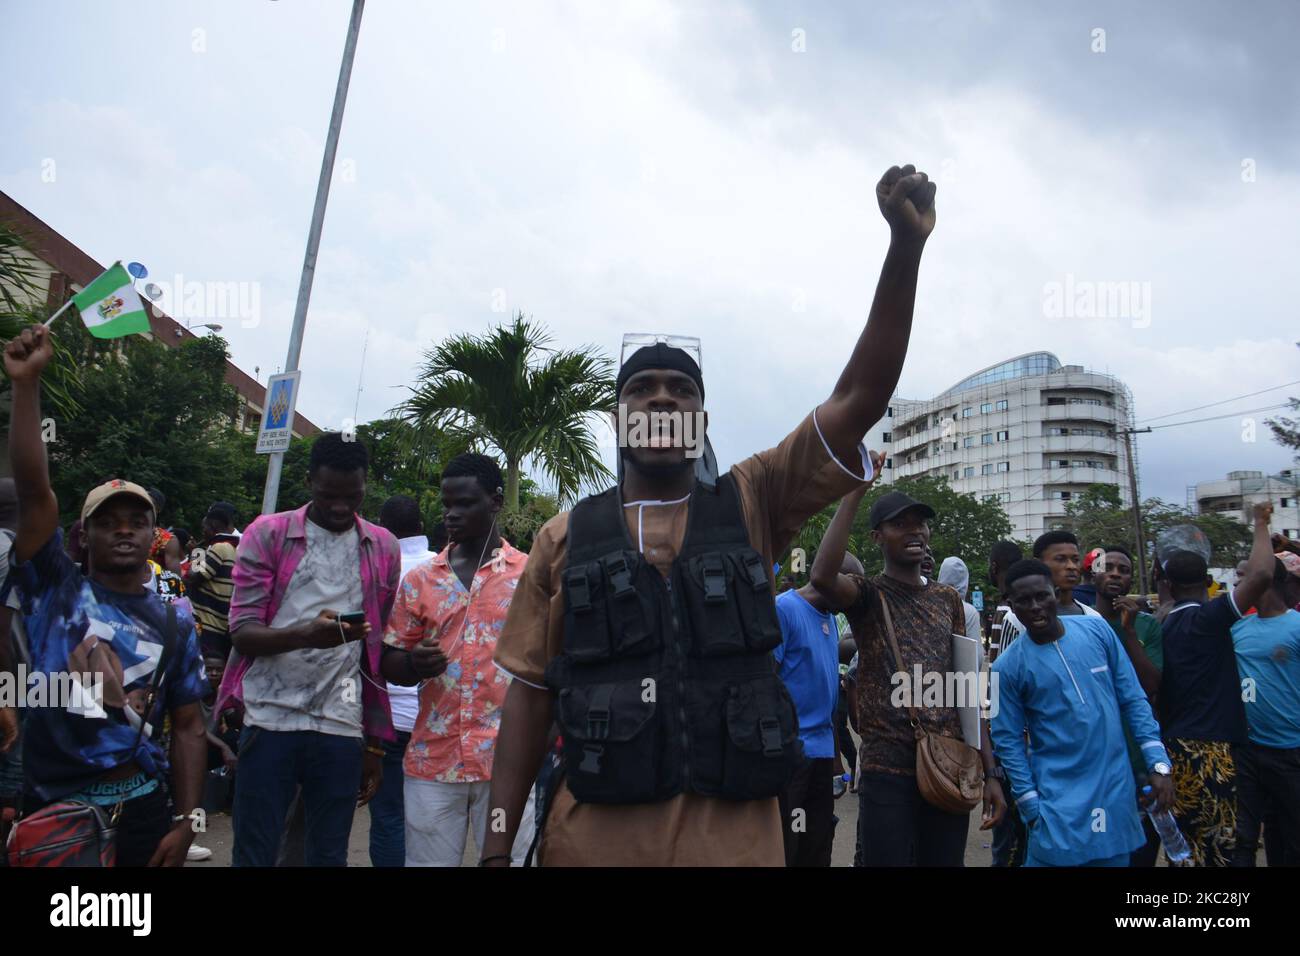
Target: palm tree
(21, 306)
(508, 392)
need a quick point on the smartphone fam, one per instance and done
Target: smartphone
(351, 618)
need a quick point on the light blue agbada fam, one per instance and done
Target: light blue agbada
(1074, 777)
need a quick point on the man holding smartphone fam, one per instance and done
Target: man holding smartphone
(313, 588)
(441, 636)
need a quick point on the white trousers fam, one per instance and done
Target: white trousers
(438, 817)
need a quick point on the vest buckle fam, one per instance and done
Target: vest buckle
(757, 573)
(597, 723)
(769, 730)
(620, 576)
(715, 580)
(591, 755)
(578, 589)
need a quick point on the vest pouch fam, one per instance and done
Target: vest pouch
(611, 742)
(632, 607)
(709, 592)
(754, 602)
(587, 629)
(762, 748)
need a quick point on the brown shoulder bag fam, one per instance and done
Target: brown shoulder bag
(948, 771)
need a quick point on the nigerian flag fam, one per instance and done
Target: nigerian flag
(110, 307)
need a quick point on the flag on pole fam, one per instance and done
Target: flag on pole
(110, 307)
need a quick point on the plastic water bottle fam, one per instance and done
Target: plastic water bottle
(1175, 845)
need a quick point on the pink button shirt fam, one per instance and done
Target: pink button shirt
(269, 552)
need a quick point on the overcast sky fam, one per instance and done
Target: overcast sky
(697, 168)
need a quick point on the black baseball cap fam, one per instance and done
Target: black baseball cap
(894, 504)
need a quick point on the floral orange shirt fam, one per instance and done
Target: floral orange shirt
(460, 710)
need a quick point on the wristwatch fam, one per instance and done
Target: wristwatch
(1161, 768)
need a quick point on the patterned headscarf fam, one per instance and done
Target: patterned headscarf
(160, 538)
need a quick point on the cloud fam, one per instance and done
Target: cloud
(680, 168)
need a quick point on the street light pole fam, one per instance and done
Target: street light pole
(1139, 544)
(276, 462)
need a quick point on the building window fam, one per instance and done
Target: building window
(1062, 495)
(969, 472)
(1287, 503)
(956, 475)
(967, 412)
(1093, 463)
(1057, 431)
(986, 469)
(968, 441)
(1060, 463)
(1004, 497)
(889, 412)
(1002, 405)
(886, 436)
(1004, 436)
(986, 408)
(986, 438)
(934, 422)
(1004, 466)
(889, 463)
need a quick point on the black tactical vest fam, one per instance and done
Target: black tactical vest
(669, 686)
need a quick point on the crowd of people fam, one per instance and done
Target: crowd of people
(634, 690)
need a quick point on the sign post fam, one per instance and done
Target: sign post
(277, 417)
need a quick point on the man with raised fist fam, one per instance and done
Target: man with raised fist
(644, 620)
(109, 624)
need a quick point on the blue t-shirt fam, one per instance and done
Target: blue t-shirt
(75, 626)
(809, 659)
(1200, 693)
(1268, 655)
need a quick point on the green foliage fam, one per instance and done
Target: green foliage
(157, 416)
(507, 393)
(20, 306)
(62, 376)
(964, 526)
(520, 526)
(19, 272)
(1099, 519)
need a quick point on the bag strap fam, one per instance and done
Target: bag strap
(898, 657)
(159, 671)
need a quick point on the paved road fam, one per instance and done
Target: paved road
(218, 839)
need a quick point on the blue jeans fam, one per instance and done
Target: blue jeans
(272, 765)
(388, 808)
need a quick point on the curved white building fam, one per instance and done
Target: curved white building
(1029, 432)
(1236, 496)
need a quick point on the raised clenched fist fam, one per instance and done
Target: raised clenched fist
(27, 354)
(906, 199)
